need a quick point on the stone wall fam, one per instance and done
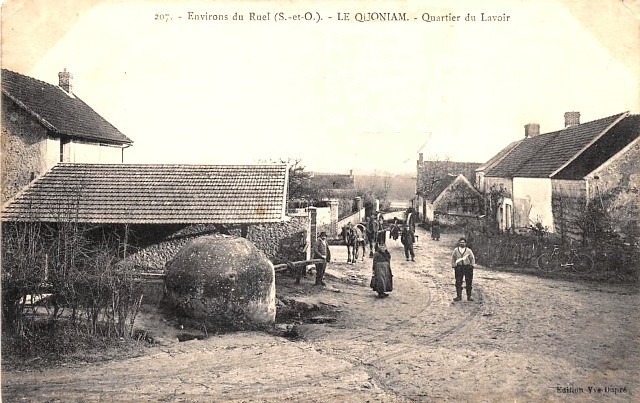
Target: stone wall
(152, 246)
(618, 187)
(568, 205)
(23, 142)
(281, 241)
(459, 199)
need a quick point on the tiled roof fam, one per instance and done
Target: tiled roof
(496, 158)
(428, 169)
(155, 194)
(542, 155)
(58, 111)
(614, 140)
(440, 186)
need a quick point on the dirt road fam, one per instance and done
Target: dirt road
(523, 339)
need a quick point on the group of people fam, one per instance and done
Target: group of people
(462, 259)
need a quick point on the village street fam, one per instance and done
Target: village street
(523, 339)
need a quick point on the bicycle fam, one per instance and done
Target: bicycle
(577, 262)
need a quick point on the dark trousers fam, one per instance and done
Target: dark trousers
(408, 251)
(320, 267)
(465, 271)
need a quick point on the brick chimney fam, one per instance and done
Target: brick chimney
(531, 130)
(64, 80)
(571, 119)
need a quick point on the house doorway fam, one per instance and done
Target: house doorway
(505, 215)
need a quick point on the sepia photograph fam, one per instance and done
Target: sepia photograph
(306, 201)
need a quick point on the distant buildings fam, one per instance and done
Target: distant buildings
(333, 181)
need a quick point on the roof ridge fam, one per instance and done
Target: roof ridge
(126, 164)
(29, 77)
(615, 121)
(52, 106)
(564, 129)
(540, 138)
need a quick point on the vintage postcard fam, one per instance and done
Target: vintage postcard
(386, 200)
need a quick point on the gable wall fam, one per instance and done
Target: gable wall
(459, 199)
(27, 152)
(619, 186)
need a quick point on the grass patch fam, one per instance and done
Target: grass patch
(47, 343)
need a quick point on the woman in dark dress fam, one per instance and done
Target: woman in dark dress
(382, 280)
(435, 230)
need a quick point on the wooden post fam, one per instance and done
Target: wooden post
(126, 240)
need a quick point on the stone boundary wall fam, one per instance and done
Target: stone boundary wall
(282, 242)
(151, 250)
(355, 218)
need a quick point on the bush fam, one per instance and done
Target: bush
(72, 270)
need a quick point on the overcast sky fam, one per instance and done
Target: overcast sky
(339, 95)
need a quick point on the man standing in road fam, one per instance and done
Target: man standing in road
(321, 251)
(462, 261)
(408, 238)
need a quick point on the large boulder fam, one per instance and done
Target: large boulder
(225, 281)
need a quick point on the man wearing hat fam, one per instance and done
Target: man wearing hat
(321, 251)
(408, 238)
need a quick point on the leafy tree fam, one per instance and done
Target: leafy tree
(301, 186)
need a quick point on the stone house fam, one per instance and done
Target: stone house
(44, 124)
(453, 199)
(550, 178)
(430, 176)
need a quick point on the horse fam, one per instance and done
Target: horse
(373, 227)
(354, 238)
